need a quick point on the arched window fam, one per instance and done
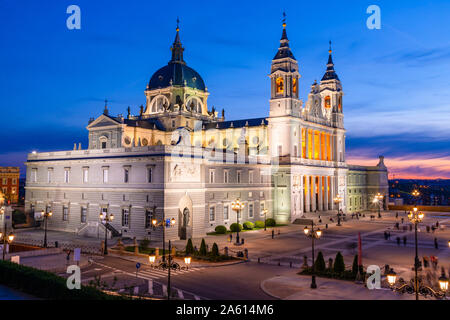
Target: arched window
(340, 103)
(194, 104)
(158, 104)
(280, 85)
(327, 102)
(294, 85)
(103, 142)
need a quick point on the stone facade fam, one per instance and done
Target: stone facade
(179, 160)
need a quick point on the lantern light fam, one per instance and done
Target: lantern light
(391, 277)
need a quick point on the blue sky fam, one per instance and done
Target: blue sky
(396, 80)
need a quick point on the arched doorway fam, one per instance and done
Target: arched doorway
(185, 212)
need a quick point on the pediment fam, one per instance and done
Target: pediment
(103, 121)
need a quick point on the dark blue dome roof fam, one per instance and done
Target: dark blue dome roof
(178, 73)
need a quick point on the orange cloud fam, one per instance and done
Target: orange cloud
(411, 167)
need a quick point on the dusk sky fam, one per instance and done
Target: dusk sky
(396, 80)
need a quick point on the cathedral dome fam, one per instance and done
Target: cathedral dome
(176, 74)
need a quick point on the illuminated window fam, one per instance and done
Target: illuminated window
(294, 85)
(327, 102)
(340, 104)
(303, 143)
(280, 85)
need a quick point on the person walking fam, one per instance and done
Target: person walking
(436, 245)
(385, 235)
(404, 240)
(398, 241)
(402, 220)
(396, 215)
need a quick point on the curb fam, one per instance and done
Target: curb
(263, 288)
(129, 258)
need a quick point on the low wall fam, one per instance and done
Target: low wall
(35, 253)
(423, 208)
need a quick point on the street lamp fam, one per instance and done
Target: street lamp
(164, 224)
(187, 261)
(46, 214)
(105, 219)
(265, 218)
(416, 217)
(237, 206)
(313, 234)
(418, 288)
(378, 198)
(337, 200)
(3, 235)
(6, 239)
(152, 259)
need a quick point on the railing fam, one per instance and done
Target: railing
(61, 244)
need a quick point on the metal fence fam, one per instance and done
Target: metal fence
(97, 250)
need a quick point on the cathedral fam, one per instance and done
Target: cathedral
(180, 162)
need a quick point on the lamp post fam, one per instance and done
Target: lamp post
(164, 224)
(105, 219)
(3, 235)
(237, 206)
(46, 214)
(413, 286)
(187, 261)
(378, 198)
(416, 195)
(313, 234)
(416, 217)
(265, 218)
(337, 200)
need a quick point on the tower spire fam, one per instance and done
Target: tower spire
(284, 51)
(177, 48)
(330, 74)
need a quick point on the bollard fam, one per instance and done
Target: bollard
(279, 262)
(225, 250)
(259, 260)
(246, 254)
(290, 264)
(56, 244)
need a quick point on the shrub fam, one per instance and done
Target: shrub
(355, 265)
(339, 265)
(248, 225)
(45, 285)
(18, 217)
(203, 251)
(215, 250)
(143, 245)
(271, 222)
(234, 227)
(319, 265)
(259, 224)
(189, 247)
(221, 229)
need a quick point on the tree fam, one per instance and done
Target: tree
(339, 265)
(190, 247)
(319, 265)
(215, 250)
(355, 265)
(203, 251)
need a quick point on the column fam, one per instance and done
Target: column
(320, 194)
(312, 144)
(326, 199)
(306, 143)
(313, 193)
(332, 193)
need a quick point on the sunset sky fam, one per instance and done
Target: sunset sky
(396, 80)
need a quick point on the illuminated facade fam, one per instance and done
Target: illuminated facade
(179, 159)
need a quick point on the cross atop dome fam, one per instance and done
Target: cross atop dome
(177, 48)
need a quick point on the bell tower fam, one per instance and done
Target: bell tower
(284, 77)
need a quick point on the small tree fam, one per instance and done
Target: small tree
(190, 247)
(339, 265)
(319, 265)
(355, 265)
(203, 250)
(215, 250)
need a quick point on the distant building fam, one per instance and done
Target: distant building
(9, 183)
(178, 159)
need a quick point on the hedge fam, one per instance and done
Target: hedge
(271, 222)
(46, 285)
(248, 225)
(259, 224)
(221, 229)
(234, 227)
